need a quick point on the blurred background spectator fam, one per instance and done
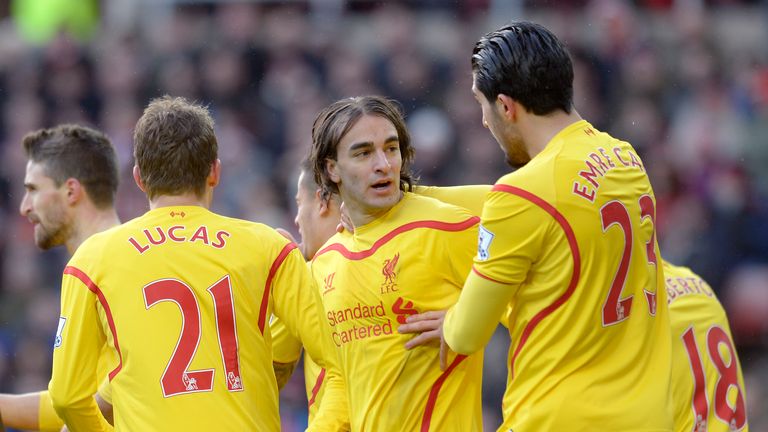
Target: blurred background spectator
(685, 81)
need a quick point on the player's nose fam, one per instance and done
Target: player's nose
(26, 206)
(381, 162)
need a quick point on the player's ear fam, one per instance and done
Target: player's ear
(322, 205)
(215, 175)
(332, 169)
(74, 190)
(507, 106)
(137, 178)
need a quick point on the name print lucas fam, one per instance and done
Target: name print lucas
(157, 236)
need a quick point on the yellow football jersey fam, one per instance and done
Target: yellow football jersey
(182, 296)
(567, 250)
(707, 384)
(410, 260)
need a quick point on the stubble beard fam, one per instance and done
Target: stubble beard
(56, 233)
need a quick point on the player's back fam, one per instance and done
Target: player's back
(410, 260)
(186, 295)
(590, 347)
(707, 382)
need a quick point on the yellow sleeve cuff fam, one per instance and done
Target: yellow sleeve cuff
(47, 419)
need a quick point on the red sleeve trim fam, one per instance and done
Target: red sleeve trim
(435, 390)
(316, 388)
(574, 246)
(431, 224)
(268, 285)
(477, 272)
(76, 272)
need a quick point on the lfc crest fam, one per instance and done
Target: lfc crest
(388, 270)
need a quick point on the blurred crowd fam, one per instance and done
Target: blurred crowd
(685, 81)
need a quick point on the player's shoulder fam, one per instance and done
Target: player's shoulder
(425, 207)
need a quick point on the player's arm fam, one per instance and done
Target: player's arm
(30, 411)
(469, 325)
(286, 351)
(297, 303)
(511, 236)
(470, 197)
(76, 354)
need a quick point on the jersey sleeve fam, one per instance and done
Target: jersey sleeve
(297, 303)
(510, 238)
(470, 197)
(286, 348)
(470, 323)
(75, 357)
(47, 419)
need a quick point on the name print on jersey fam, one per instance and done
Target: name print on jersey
(598, 165)
(178, 233)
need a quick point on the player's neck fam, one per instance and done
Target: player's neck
(90, 222)
(361, 215)
(184, 199)
(540, 130)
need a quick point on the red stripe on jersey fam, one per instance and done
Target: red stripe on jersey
(432, 399)
(477, 272)
(316, 388)
(571, 237)
(437, 225)
(268, 286)
(76, 272)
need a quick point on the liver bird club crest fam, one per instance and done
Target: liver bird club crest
(388, 270)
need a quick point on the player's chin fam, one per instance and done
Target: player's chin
(385, 200)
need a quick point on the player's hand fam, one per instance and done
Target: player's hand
(289, 236)
(429, 329)
(286, 234)
(345, 223)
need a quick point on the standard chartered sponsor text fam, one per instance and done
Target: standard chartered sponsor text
(381, 325)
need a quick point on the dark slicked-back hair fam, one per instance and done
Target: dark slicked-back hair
(78, 152)
(338, 118)
(526, 62)
(174, 147)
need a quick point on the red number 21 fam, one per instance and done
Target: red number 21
(615, 308)
(177, 378)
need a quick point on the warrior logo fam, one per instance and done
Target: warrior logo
(329, 283)
(388, 270)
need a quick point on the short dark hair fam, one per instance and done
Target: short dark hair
(174, 147)
(526, 62)
(73, 151)
(335, 121)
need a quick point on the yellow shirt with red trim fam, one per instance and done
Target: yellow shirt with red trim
(287, 349)
(470, 197)
(567, 250)
(707, 383)
(182, 296)
(412, 259)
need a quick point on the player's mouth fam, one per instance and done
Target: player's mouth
(382, 186)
